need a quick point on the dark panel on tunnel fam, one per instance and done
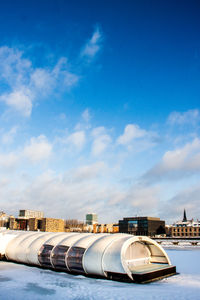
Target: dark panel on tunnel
(75, 259)
(44, 255)
(58, 256)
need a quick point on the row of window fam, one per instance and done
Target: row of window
(185, 229)
(74, 257)
(185, 234)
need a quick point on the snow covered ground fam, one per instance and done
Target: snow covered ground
(22, 282)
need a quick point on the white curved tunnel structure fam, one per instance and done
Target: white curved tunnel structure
(114, 256)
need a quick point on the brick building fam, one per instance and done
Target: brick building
(36, 224)
(46, 224)
(52, 225)
(185, 228)
(22, 222)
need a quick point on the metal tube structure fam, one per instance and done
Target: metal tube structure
(113, 256)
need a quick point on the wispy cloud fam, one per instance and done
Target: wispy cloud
(38, 149)
(19, 100)
(86, 115)
(79, 190)
(177, 163)
(93, 46)
(101, 140)
(131, 132)
(88, 172)
(8, 160)
(139, 199)
(187, 198)
(14, 67)
(191, 116)
(76, 140)
(8, 137)
(25, 84)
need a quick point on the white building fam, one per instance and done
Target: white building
(28, 213)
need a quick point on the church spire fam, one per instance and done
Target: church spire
(184, 216)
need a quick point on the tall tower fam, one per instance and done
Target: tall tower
(184, 216)
(91, 219)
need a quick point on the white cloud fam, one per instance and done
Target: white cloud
(70, 79)
(84, 123)
(177, 163)
(93, 46)
(144, 198)
(14, 68)
(97, 131)
(131, 132)
(101, 140)
(78, 191)
(62, 75)
(188, 117)
(73, 197)
(77, 139)
(8, 160)
(7, 137)
(38, 149)
(42, 79)
(88, 172)
(187, 198)
(138, 199)
(19, 100)
(100, 144)
(27, 84)
(86, 115)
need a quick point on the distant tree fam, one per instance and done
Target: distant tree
(73, 223)
(160, 230)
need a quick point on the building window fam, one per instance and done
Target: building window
(39, 224)
(133, 224)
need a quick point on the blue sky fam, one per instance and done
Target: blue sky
(100, 108)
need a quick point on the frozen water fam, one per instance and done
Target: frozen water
(23, 282)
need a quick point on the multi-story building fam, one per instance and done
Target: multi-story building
(185, 228)
(148, 226)
(22, 222)
(34, 220)
(91, 219)
(36, 224)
